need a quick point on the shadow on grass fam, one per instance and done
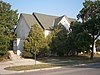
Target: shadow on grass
(73, 61)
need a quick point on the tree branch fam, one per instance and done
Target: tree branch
(97, 36)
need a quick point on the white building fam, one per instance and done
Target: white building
(26, 21)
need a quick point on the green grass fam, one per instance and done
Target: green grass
(29, 67)
(81, 59)
(58, 61)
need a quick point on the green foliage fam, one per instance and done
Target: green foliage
(57, 42)
(36, 40)
(78, 40)
(8, 19)
(83, 41)
(70, 41)
(3, 45)
(27, 50)
(90, 16)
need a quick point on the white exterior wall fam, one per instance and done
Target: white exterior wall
(94, 47)
(46, 33)
(22, 33)
(22, 29)
(20, 44)
(65, 23)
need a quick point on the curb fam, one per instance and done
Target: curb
(80, 65)
(38, 69)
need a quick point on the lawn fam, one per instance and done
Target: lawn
(29, 67)
(81, 59)
(58, 61)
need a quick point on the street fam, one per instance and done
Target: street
(93, 69)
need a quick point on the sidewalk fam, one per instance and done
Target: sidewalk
(15, 63)
(21, 62)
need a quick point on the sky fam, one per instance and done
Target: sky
(69, 8)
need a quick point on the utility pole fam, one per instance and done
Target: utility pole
(35, 53)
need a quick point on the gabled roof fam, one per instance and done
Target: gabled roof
(57, 20)
(45, 21)
(72, 20)
(30, 20)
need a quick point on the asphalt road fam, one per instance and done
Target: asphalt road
(93, 69)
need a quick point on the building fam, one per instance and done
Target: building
(47, 22)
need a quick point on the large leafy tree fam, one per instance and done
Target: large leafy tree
(3, 45)
(58, 40)
(90, 15)
(35, 41)
(83, 42)
(78, 40)
(8, 19)
(75, 28)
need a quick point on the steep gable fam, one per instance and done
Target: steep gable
(47, 21)
(26, 21)
(57, 20)
(30, 19)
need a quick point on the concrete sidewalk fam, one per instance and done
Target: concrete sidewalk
(15, 63)
(21, 62)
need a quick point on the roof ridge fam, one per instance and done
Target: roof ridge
(45, 14)
(25, 14)
(29, 19)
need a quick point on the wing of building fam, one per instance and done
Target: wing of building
(47, 22)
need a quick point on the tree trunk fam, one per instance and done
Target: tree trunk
(93, 40)
(92, 53)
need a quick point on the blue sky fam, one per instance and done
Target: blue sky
(51, 7)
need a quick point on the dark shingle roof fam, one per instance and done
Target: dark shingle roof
(57, 20)
(47, 21)
(30, 20)
(72, 19)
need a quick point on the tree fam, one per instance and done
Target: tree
(90, 15)
(58, 40)
(83, 42)
(72, 47)
(3, 45)
(78, 40)
(36, 39)
(8, 19)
